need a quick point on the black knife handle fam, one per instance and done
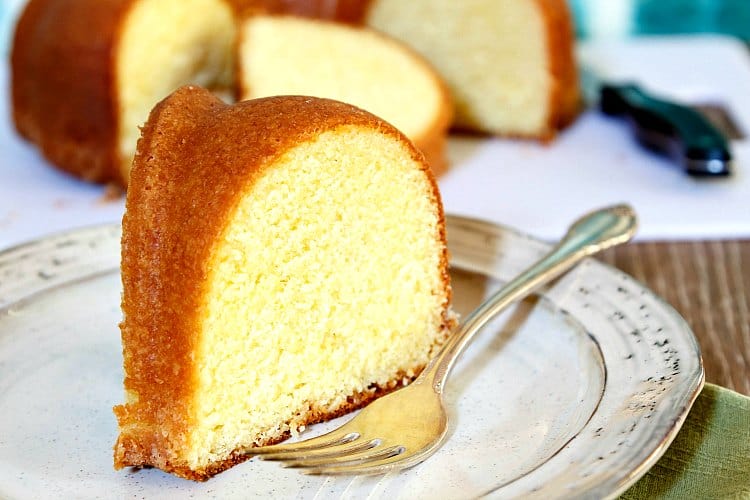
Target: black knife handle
(671, 129)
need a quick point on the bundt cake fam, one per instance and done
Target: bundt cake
(86, 73)
(296, 56)
(509, 64)
(283, 262)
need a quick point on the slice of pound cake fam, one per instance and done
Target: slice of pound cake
(509, 64)
(283, 262)
(291, 55)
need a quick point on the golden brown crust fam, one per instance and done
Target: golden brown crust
(252, 7)
(434, 144)
(564, 99)
(139, 454)
(63, 81)
(174, 190)
(347, 11)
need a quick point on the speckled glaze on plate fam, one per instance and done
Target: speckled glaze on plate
(574, 393)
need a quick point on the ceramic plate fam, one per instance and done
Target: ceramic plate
(575, 392)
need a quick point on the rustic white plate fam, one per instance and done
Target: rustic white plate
(574, 393)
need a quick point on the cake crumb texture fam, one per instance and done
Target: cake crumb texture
(283, 262)
(281, 54)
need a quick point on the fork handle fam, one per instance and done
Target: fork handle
(590, 234)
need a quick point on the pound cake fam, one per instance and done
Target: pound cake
(509, 64)
(296, 56)
(86, 73)
(283, 262)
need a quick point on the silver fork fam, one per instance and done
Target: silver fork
(404, 428)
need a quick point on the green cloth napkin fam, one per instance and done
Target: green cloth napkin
(709, 458)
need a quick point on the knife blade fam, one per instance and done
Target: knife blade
(666, 127)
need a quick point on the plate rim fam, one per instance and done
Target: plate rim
(696, 382)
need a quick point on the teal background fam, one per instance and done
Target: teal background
(649, 17)
(680, 16)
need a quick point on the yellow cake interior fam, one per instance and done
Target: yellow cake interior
(326, 281)
(164, 44)
(492, 54)
(290, 56)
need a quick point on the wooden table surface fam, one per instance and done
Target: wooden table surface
(708, 282)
